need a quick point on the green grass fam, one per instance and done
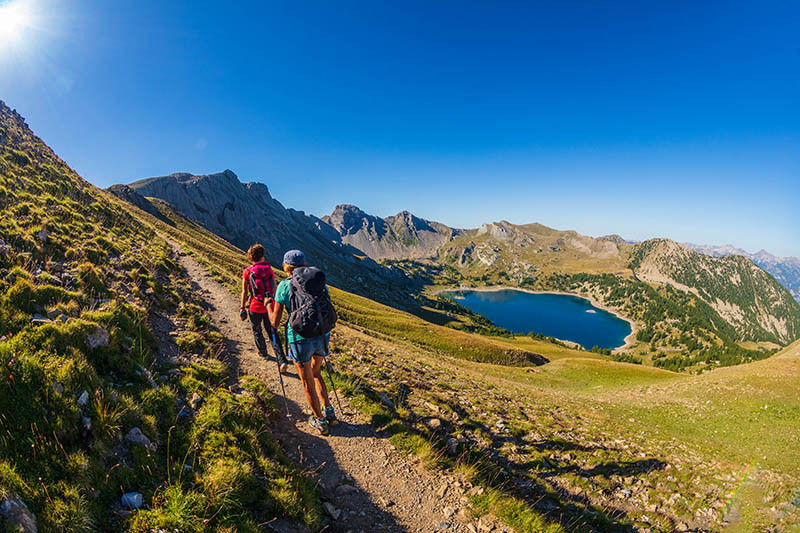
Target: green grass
(104, 269)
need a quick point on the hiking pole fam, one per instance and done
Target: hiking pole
(276, 347)
(330, 376)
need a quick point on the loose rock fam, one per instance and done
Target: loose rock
(19, 517)
(433, 423)
(136, 436)
(98, 338)
(385, 400)
(132, 500)
(344, 490)
(83, 399)
(332, 511)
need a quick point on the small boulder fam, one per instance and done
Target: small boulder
(344, 490)
(332, 511)
(136, 436)
(19, 517)
(42, 235)
(132, 500)
(385, 400)
(433, 423)
(97, 338)
(58, 388)
(83, 399)
(40, 319)
(452, 446)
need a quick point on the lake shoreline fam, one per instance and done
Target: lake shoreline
(630, 339)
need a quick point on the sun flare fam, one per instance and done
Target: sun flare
(15, 18)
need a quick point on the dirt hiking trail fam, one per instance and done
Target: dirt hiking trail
(365, 484)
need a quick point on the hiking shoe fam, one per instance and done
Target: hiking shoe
(320, 424)
(330, 416)
(284, 368)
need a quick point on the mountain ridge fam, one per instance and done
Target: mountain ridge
(784, 269)
(401, 236)
(246, 213)
(530, 256)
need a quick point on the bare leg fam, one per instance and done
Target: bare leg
(306, 373)
(322, 390)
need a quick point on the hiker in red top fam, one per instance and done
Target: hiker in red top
(258, 286)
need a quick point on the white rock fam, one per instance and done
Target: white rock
(433, 423)
(83, 399)
(132, 500)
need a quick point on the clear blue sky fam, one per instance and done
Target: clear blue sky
(680, 119)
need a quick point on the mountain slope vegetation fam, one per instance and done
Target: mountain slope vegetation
(784, 269)
(101, 410)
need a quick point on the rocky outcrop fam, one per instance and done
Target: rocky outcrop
(402, 236)
(123, 192)
(246, 213)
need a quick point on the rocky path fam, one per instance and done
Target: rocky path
(366, 485)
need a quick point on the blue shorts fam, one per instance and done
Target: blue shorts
(302, 351)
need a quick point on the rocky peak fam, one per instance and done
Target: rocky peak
(402, 236)
(348, 219)
(616, 239)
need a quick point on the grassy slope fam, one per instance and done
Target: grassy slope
(105, 271)
(584, 429)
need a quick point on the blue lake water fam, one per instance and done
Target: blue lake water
(558, 315)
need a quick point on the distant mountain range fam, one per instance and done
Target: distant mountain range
(785, 269)
(743, 296)
(402, 236)
(385, 258)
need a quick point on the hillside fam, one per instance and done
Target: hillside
(744, 295)
(112, 397)
(784, 269)
(587, 444)
(246, 213)
(402, 236)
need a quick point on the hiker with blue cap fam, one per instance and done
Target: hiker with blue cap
(311, 317)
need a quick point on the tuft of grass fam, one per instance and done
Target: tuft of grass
(513, 512)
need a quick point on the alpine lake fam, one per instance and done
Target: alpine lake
(563, 316)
